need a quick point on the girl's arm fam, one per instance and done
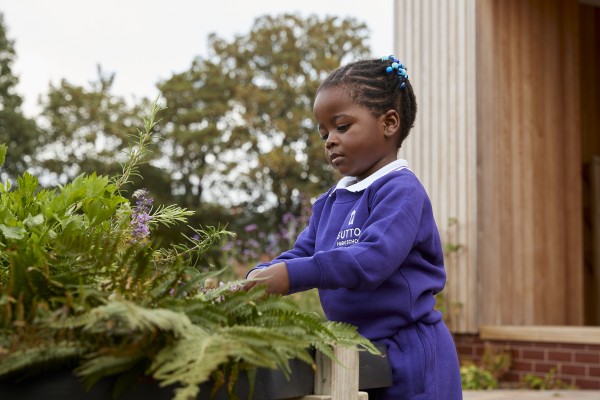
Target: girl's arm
(400, 219)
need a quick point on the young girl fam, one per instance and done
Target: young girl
(372, 247)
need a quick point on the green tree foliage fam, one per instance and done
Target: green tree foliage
(87, 129)
(238, 139)
(17, 131)
(198, 105)
(245, 112)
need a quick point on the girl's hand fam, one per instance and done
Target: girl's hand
(275, 277)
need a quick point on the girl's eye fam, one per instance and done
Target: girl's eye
(324, 137)
(343, 128)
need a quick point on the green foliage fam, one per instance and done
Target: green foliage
(87, 129)
(547, 382)
(496, 360)
(258, 132)
(494, 364)
(476, 378)
(82, 283)
(16, 130)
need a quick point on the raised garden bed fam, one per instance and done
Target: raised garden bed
(373, 371)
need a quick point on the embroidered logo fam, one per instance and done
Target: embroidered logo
(352, 217)
(349, 236)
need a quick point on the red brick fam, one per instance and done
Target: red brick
(574, 370)
(587, 384)
(479, 350)
(554, 355)
(572, 346)
(533, 354)
(512, 377)
(520, 344)
(514, 353)
(546, 345)
(465, 349)
(594, 372)
(521, 366)
(591, 358)
(544, 367)
(568, 380)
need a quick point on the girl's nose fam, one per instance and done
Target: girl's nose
(331, 140)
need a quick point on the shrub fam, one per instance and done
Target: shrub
(547, 382)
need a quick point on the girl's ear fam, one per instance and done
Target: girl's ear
(391, 120)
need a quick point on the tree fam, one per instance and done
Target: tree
(87, 130)
(17, 131)
(247, 108)
(198, 103)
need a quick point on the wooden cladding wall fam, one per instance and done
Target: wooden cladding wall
(436, 41)
(529, 162)
(589, 27)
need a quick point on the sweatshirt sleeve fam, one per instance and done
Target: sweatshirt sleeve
(388, 235)
(305, 243)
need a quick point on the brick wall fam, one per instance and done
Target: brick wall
(575, 364)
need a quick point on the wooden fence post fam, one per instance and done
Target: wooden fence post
(337, 380)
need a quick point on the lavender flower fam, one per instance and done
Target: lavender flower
(140, 215)
(251, 227)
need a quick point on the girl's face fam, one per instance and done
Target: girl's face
(357, 143)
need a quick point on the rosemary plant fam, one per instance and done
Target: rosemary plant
(81, 283)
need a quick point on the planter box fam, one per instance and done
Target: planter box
(63, 385)
(373, 371)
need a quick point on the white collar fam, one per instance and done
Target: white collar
(349, 182)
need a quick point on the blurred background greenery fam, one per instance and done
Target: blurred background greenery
(236, 143)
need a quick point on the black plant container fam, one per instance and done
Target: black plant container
(374, 372)
(63, 385)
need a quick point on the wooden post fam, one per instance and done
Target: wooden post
(595, 201)
(337, 380)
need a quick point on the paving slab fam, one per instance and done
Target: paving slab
(531, 395)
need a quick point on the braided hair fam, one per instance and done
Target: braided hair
(371, 86)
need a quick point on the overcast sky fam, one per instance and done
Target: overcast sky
(145, 41)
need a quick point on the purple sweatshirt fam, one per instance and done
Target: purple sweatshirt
(373, 250)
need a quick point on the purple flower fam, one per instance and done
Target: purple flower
(287, 217)
(251, 227)
(140, 214)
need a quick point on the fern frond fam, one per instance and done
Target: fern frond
(37, 358)
(191, 360)
(94, 369)
(127, 317)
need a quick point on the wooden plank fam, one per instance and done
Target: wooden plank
(361, 396)
(437, 40)
(572, 190)
(487, 199)
(529, 204)
(338, 379)
(542, 333)
(595, 219)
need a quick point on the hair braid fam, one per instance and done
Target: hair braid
(371, 86)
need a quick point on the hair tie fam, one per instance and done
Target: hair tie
(398, 67)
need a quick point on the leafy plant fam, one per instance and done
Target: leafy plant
(494, 364)
(547, 382)
(476, 378)
(81, 282)
(496, 360)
